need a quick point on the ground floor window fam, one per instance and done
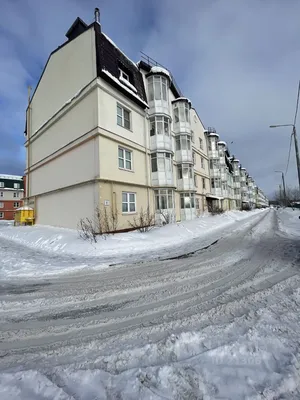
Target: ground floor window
(128, 202)
(197, 203)
(187, 200)
(164, 199)
(1, 214)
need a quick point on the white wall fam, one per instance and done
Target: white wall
(79, 120)
(68, 70)
(78, 165)
(65, 208)
(108, 98)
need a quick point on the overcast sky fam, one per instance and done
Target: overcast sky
(237, 60)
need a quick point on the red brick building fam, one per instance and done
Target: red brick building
(11, 195)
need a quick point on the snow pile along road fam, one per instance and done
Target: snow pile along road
(220, 323)
(67, 241)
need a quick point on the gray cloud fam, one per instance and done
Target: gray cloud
(238, 61)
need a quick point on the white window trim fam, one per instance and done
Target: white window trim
(124, 159)
(18, 204)
(124, 75)
(1, 194)
(1, 184)
(122, 116)
(16, 186)
(1, 214)
(128, 203)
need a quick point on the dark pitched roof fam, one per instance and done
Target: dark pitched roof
(76, 28)
(110, 58)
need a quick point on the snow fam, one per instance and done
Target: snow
(157, 69)
(127, 83)
(182, 98)
(24, 208)
(223, 323)
(213, 134)
(236, 160)
(13, 177)
(222, 143)
(124, 86)
(119, 246)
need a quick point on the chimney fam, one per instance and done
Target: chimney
(97, 15)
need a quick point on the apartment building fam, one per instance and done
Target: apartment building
(231, 185)
(11, 195)
(103, 131)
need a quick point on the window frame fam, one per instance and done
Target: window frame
(122, 117)
(202, 163)
(16, 195)
(155, 123)
(128, 202)
(1, 184)
(161, 193)
(201, 143)
(18, 204)
(189, 195)
(1, 194)
(195, 180)
(203, 183)
(158, 88)
(1, 214)
(124, 75)
(168, 165)
(124, 159)
(17, 185)
(1, 204)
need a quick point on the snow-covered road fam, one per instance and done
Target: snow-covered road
(217, 323)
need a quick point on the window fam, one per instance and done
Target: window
(161, 162)
(181, 112)
(128, 202)
(195, 181)
(1, 204)
(194, 157)
(163, 199)
(183, 142)
(201, 143)
(176, 115)
(124, 75)
(209, 145)
(16, 186)
(125, 159)
(157, 88)
(16, 194)
(202, 163)
(184, 171)
(1, 214)
(187, 112)
(1, 194)
(197, 203)
(187, 200)
(1, 184)
(159, 126)
(16, 204)
(215, 183)
(123, 116)
(203, 183)
(193, 136)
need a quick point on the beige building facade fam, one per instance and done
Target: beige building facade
(104, 132)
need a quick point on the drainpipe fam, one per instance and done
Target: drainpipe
(147, 147)
(28, 145)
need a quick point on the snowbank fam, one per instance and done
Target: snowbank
(67, 241)
(289, 222)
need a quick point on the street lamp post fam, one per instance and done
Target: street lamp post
(283, 185)
(296, 146)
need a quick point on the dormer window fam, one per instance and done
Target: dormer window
(123, 75)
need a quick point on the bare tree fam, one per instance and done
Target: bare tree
(144, 221)
(86, 230)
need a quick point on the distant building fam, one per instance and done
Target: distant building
(11, 195)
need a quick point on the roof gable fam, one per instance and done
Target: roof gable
(76, 29)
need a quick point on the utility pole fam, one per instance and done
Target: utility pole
(284, 187)
(280, 195)
(297, 153)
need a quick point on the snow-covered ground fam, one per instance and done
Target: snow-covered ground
(220, 322)
(163, 242)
